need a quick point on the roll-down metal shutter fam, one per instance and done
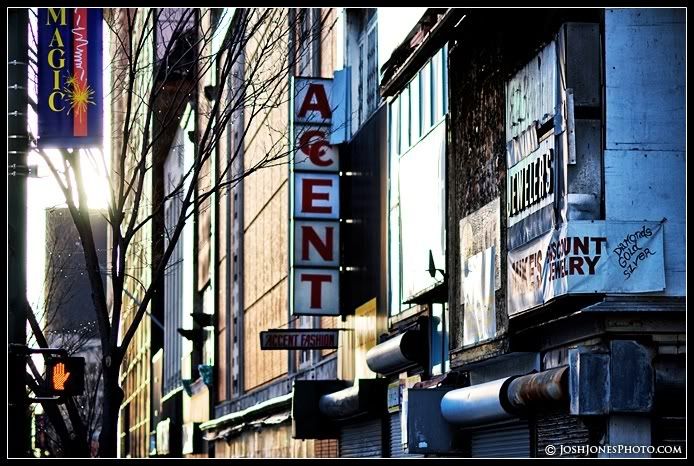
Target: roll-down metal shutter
(396, 447)
(507, 440)
(560, 428)
(669, 431)
(362, 439)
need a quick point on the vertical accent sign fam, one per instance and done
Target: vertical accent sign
(70, 74)
(315, 215)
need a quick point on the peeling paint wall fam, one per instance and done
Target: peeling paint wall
(477, 164)
(486, 49)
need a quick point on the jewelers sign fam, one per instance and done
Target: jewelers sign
(583, 257)
(315, 198)
(70, 73)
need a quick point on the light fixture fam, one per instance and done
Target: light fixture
(432, 267)
(210, 92)
(202, 319)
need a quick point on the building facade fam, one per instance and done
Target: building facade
(163, 63)
(519, 323)
(250, 407)
(492, 223)
(566, 98)
(134, 416)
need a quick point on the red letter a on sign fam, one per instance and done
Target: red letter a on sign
(317, 92)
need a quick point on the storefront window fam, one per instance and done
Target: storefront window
(439, 339)
(422, 211)
(415, 105)
(417, 181)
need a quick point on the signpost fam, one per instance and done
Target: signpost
(64, 374)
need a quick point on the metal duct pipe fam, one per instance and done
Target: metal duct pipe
(541, 387)
(504, 398)
(340, 404)
(395, 353)
(478, 404)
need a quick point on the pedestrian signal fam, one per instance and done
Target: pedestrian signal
(65, 376)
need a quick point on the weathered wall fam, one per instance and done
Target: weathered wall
(265, 211)
(274, 442)
(476, 157)
(135, 368)
(645, 148)
(266, 194)
(485, 50)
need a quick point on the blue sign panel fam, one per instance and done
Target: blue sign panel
(70, 72)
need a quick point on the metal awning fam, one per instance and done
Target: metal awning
(437, 293)
(277, 419)
(248, 413)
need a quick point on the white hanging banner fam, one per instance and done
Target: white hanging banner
(583, 257)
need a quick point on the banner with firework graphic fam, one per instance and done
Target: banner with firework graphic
(70, 73)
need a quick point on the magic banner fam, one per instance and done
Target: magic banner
(70, 74)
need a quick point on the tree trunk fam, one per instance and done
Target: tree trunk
(113, 397)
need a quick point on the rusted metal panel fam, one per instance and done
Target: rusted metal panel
(589, 370)
(427, 433)
(583, 74)
(632, 378)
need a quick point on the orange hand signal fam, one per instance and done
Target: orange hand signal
(59, 376)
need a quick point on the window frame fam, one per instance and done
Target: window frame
(404, 137)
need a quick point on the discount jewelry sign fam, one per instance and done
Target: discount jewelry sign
(583, 257)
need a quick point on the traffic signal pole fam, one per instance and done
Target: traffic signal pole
(19, 433)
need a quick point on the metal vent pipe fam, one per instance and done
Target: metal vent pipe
(504, 398)
(395, 353)
(340, 404)
(478, 404)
